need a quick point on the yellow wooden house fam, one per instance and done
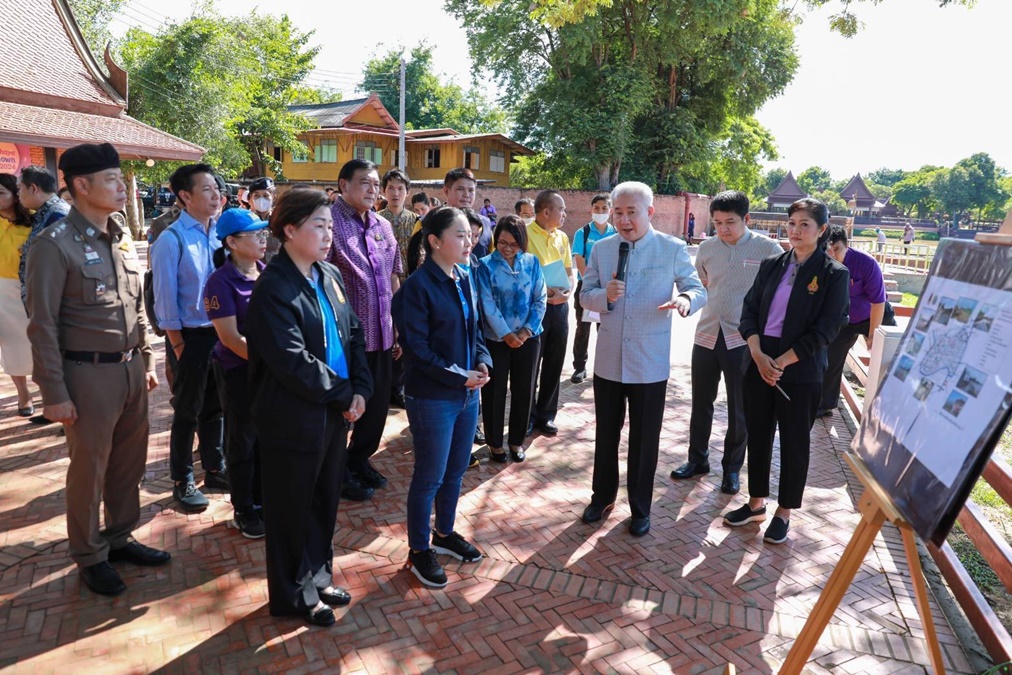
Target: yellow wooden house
(364, 129)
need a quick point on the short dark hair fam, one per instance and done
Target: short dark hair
(182, 178)
(419, 198)
(815, 208)
(352, 167)
(488, 200)
(511, 225)
(436, 222)
(521, 202)
(22, 216)
(416, 251)
(837, 233)
(473, 218)
(453, 175)
(294, 207)
(602, 197)
(543, 199)
(42, 178)
(395, 174)
(730, 201)
(59, 193)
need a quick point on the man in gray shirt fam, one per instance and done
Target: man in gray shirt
(727, 265)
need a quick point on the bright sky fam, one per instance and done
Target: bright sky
(918, 85)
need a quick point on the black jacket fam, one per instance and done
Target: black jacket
(293, 389)
(818, 307)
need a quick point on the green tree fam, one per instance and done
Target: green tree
(887, 177)
(772, 180)
(833, 200)
(93, 17)
(815, 179)
(915, 192)
(982, 176)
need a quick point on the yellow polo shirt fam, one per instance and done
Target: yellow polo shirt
(12, 238)
(549, 246)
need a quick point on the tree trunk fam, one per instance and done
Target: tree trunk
(134, 211)
(603, 173)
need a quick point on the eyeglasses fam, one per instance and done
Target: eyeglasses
(507, 244)
(258, 234)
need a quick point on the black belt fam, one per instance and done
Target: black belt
(202, 330)
(101, 357)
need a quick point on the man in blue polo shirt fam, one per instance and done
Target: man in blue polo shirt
(583, 241)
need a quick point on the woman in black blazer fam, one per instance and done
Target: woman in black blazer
(309, 381)
(795, 308)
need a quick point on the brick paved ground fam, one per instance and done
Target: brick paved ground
(552, 595)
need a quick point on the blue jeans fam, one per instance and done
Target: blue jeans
(443, 433)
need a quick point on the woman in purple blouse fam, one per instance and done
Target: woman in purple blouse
(795, 308)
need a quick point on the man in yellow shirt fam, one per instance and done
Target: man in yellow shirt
(550, 245)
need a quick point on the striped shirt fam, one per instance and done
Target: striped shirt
(728, 272)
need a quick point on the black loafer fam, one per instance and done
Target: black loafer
(595, 512)
(690, 470)
(500, 457)
(639, 526)
(548, 428)
(334, 596)
(139, 554)
(101, 578)
(321, 616)
(355, 490)
(518, 455)
(530, 428)
(731, 483)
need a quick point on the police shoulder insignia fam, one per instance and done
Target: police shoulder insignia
(814, 286)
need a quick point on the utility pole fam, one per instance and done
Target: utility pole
(401, 159)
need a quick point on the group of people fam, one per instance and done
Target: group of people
(283, 365)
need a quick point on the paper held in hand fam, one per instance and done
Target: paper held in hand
(555, 275)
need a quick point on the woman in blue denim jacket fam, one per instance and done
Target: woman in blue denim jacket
(445, 365)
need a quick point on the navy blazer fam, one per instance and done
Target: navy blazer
(817, 308)
(432, 333)
(293, 389)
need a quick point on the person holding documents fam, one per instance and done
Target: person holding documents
(796, 306)
(551, 247)
(634, 280)
(445, 365)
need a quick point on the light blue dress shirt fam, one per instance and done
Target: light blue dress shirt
(511, 297)
(179, 276)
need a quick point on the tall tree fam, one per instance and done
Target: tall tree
(93, 17)
(815, 179)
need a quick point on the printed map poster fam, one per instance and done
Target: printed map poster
(946, 397)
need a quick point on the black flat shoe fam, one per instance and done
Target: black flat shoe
(101, 578)
(27, 411)
(639, 526)
(548, 428)
(334, 596)
(518, 455)
(500, 457)
(731, 483)
(321, 616)
(690, 470)
(595, 512)
(139, 554)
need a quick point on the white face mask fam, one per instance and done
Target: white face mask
(600, 218)
(262, 204)
(527, 221)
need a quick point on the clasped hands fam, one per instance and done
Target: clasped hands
(478, 378)
(516, 340)
(769, 370)
(616, 289)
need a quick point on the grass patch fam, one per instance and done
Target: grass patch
(909, 300)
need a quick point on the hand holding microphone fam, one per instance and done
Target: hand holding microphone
(616, 287)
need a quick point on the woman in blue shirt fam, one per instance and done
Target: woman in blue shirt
(513, 298)
(445, 364)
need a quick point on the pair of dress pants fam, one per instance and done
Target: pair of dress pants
(301, 492)
(196, 407)
(368, 431)
(766, 411)
(708, 365)
(108, 448)
(554, 335)
(837, 352)
(646, 415)
(512, 369)
(241, 452)
(581, 339)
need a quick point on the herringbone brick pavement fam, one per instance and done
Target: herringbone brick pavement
(551, 595)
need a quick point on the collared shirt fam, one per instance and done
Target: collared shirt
(51, 211)
(511, 297)
(583, 247)
(549, 246)
(488, 211)
(867, 286)
(84, 294)
(179, 275)
(403, 225)
(336, 359)
(728, 272)
(12, 239)
(366, 252)
(227, 293)
(782, 296)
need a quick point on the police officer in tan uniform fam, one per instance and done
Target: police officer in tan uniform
(93, 363)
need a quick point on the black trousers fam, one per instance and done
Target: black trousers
(241, 452)
(581, 339)
(301, 491)
(766, 410)
(838, 350)
(708, 365)
(368, 432)
(646, 415)
(554, 335)
(196, 407)
(396, 377)
(513, 369)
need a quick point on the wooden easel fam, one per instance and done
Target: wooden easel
(876, 508)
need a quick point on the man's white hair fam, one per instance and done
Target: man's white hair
(634, 189)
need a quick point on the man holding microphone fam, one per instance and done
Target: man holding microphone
(633, 280)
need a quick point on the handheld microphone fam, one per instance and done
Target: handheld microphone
(623, 262)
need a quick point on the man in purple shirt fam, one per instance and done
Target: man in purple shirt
(365, 250)
(868, 311)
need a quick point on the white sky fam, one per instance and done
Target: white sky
(918, 85)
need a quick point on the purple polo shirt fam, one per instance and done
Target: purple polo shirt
(778, 306)
(867, 287)
(365, 250)
(227, 293)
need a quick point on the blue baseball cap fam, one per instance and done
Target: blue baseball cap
(236, 221)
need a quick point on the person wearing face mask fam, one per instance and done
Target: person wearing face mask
(583, 241)
(525, 211)
(261, 201)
